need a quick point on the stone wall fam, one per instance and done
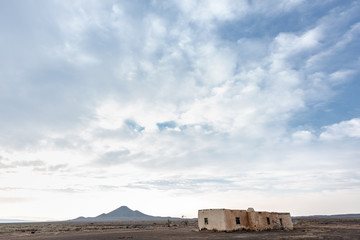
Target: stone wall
(269, 220)
(213, 219)
(232, 220)
(236, 219)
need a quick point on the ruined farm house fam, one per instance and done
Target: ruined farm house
(233, 220)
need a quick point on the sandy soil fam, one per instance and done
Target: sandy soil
(303, 229)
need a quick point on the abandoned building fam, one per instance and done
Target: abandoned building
(233, 220)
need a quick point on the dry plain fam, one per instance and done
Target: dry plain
(305, 228)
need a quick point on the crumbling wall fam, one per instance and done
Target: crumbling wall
(252, 219)
(212, 219)
(236, 220)
(270, 220)
(263, 221)
(232, 220)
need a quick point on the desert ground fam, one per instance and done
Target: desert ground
(311, 228)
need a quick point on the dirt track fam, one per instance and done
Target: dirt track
(304, 229)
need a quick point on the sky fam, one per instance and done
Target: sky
(168, 107)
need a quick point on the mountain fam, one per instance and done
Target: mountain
(122, 214)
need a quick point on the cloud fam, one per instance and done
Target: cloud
(211, 10)
(11, 200)
(169, 51)
(133, 125)
(302, 136)
(16, 164)
(177, 96)
(350, 128)
(340, 76)
(114, 157)
(166, 125)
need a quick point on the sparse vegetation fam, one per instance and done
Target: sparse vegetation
(345, 228)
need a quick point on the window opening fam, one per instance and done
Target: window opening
(237, 220)
(281, 221)
(206, 221)
(268, 220)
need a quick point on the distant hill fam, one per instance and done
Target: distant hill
(331, 216)
(123, 214)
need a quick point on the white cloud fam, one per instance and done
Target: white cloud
(152, 100)
(302, 136)
(74, 55)
(207, 11)
(350, 128)
(288, 44)
(341, 76)
(337, 37)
